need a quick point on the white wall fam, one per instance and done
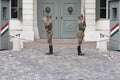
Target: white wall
(90, 14)
(103, 24)
(28, 19)
(90, 33)
(36, 32)
(15, 24)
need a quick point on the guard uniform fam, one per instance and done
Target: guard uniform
(48, 27)
(80, 33)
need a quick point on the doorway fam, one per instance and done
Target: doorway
(64, 17)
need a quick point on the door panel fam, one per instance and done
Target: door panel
(53, 11)
(64, 16)
(70, 9)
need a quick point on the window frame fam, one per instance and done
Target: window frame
(98, 17)
(17, 8)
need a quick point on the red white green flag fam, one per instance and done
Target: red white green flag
(4, 29)
(114, 30)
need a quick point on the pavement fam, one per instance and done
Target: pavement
(32, 63)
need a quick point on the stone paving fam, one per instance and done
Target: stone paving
(32, 64)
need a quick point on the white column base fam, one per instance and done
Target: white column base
(17, 43)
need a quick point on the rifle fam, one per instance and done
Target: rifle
(84, 13)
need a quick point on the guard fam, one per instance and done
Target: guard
(80, 33)
(48, 27)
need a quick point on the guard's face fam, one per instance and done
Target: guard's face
(81, 18)
(48, 17)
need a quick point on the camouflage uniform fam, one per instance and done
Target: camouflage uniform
(80, 34)
(48, 27)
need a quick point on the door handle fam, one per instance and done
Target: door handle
(56, 18)
(61, 17)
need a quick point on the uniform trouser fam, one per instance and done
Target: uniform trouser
(49, 37)
(80, 35)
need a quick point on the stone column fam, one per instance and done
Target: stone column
(28, 23)
(90, 9)
(35, 28)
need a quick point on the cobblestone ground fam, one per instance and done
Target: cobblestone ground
(32, 64)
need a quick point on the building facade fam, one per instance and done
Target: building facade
(27, 18)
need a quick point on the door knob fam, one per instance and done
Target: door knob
(61, 17)
(56, 18)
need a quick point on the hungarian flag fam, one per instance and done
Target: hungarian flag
(114, 30)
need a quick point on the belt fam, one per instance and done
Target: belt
(82, 29)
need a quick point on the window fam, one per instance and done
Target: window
(102, 9)
(16, 9)
(4, 13)
(114, 13)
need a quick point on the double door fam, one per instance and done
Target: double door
(64, 17)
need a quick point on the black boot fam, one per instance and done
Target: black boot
(50, 50)
(79, 51)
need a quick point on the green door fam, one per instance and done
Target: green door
(70, 9)
(52, 5)
(64, 16)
